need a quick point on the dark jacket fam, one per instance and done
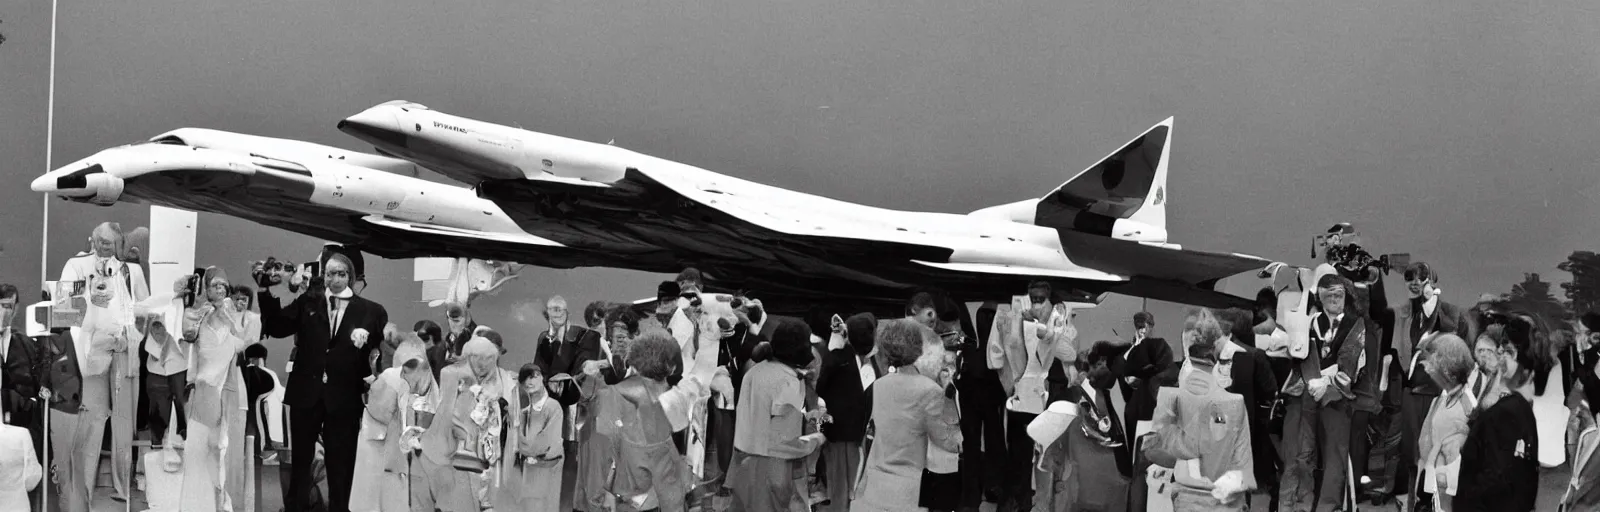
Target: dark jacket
(1406, 334)
(62, 376)
(1253, 379)
(840, 386)
(1145, 361)
(579, 345)
(328, 367)
(25, 366)
(1499, 460)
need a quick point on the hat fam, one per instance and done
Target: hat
(791, 342)
(668, 290)
(1342, 228)
(1050, 424)
(1143, 319)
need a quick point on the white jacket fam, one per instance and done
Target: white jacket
(20, 471)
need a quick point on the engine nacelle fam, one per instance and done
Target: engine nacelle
(107, 189)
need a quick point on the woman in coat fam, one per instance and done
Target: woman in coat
(907, 416)
(534, 484)
(389, 431)
(1449, 362)
(1202, 431)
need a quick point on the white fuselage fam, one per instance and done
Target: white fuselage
(473, 151)
(323, 172)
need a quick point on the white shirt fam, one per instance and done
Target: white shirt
(166, 356)
(5, 344)
(336, 316)
(81, 268)
(869, 374)
(1333, 328)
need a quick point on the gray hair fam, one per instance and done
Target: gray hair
(900, 341)
(1449, 360)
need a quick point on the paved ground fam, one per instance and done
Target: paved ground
(270, 498)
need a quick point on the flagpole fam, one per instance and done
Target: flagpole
(44, 246)
(49, 148)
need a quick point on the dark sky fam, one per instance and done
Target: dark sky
(1462, 132)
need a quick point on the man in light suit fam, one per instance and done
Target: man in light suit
(129, 286)
(1424, 314)
(331, 326)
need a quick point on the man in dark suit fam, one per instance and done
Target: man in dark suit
(23, 362)
(331, 327)
(842, 386)
(1145, 359)
(564, 348)
(1425, 314)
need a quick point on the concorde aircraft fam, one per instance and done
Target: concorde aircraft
(555, 202)
(1103, 230)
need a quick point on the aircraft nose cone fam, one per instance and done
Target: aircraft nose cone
(45, 184)
(69, 183)
(378, 125)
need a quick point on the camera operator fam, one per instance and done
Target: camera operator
(1356, 264)
(331, 326)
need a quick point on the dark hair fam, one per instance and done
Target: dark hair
(1266, 305)
(255, 351)
(1423, 270)
(494, 337)
(654, 355)
(919, 302)
(595, 309)
(668, 290)
(8, 290)
(1532, 355)
(243, 289)
(1042, 285)
(900, 341)
(528, 371)
(690, 274)
(1590, 320)
(1354, 300)
(862, 328)
(428, 330)
(1266, 297)
(948, 310)
(1237, 323)
(625, 315)
(1107, 351)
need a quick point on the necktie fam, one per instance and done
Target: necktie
(1477, 388)
(333, 315)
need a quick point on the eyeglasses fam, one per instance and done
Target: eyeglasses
(338, 273)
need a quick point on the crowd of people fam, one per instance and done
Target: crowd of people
(1319, 397)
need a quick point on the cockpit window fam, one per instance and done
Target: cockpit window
(173, 140)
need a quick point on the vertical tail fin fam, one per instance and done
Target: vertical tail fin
(1123, 196)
